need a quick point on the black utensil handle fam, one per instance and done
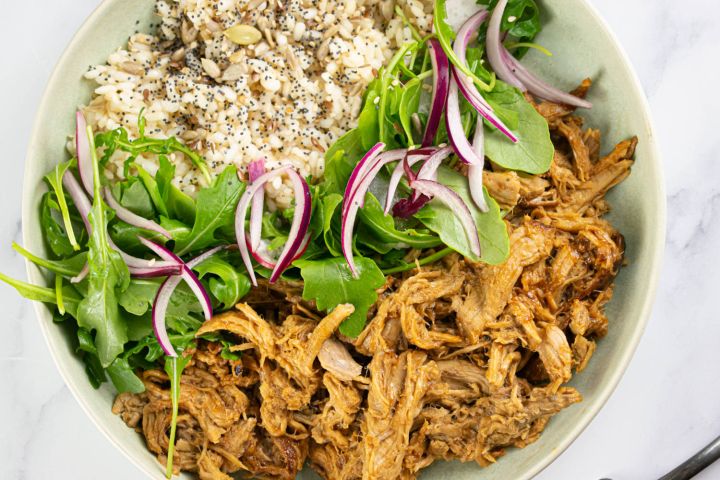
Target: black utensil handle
(695, 464)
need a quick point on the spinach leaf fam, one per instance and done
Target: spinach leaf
(133, 195)
(178, 204)
(138, 297)
(69, 267)
(215, 210)
(526, 24)
(533, 153)
(71, 297)
(494, 241)
(446, 35)
(409, 104)
(383, 226)
(340, 160)
(107, 275)
(330, 205)
(123, 377)
(54, 180)
(330, 283)
(55, 235)
(369, 119)
(226, 282)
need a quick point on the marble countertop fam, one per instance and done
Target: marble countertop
(667, 405)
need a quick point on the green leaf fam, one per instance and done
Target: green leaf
(179, 205)
(153, 191)
(340, 160)
(54, 180)
(494, 241)
(330, 283)
(227, 284)
(69, 267)
(369, 120)
(215, 210)
(71, 297)
(534, 151)
(409, 104)
(55, 235)
(107, 275)
(133, 195)
(384, 228)
(123, 377)
(526, 24)
(330, 204)
(174, 367)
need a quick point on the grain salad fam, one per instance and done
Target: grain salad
(239, 80)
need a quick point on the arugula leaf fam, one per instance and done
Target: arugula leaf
(88, 353)
(340, 160)
(437, 217)
(534, 151)
(215, 210)
(138, 297)
(55, 235)
(226, 282)
(174, 367)
(133, 195)
(330, 283)
(71, 297)
(54, 180)
(69, 267)
(178, 204)
(383, 226)
(108, 274)
(123, 377)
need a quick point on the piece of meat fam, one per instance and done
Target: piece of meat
(487, 296)
(333, 423)
(324, 331)
(335, 358)
(556, 355)
(504, 187)
(398, 384)
(582, 350)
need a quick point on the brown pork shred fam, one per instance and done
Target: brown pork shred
(459, 360)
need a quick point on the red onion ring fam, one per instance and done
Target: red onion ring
(82, 150)
(456, 205)
(255, 171)
(475, 172)
(441, 79)
(456, 133)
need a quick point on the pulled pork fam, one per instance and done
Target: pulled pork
(458, 361)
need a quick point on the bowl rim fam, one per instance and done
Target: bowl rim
(657, 242)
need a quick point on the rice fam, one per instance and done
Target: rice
(287, 97)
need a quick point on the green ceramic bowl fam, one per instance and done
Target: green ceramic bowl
(583, 46)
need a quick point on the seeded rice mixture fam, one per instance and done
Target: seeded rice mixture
(286, 97)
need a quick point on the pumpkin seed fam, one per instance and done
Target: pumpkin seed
(243, 34)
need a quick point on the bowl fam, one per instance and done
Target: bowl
(582, 45)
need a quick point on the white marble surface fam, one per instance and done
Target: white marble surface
(668, 403)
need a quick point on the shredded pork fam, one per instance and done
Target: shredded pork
(458, 361)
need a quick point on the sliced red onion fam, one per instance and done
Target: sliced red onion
(475, 172)
(132, 218)
(480, 104)
(412, 157)
(441, 79)
(298, 227)
(360, 170)
(428, 171)
(151, 272)
(159, 309)
(255, 171)
(81, 276)
(495, 48)
(241, 213)
(84, 156)
(455, 130)
(187, 274)
(162, 300)
(456, 205)
(356, 199)
(407, 207)
(539, 88)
